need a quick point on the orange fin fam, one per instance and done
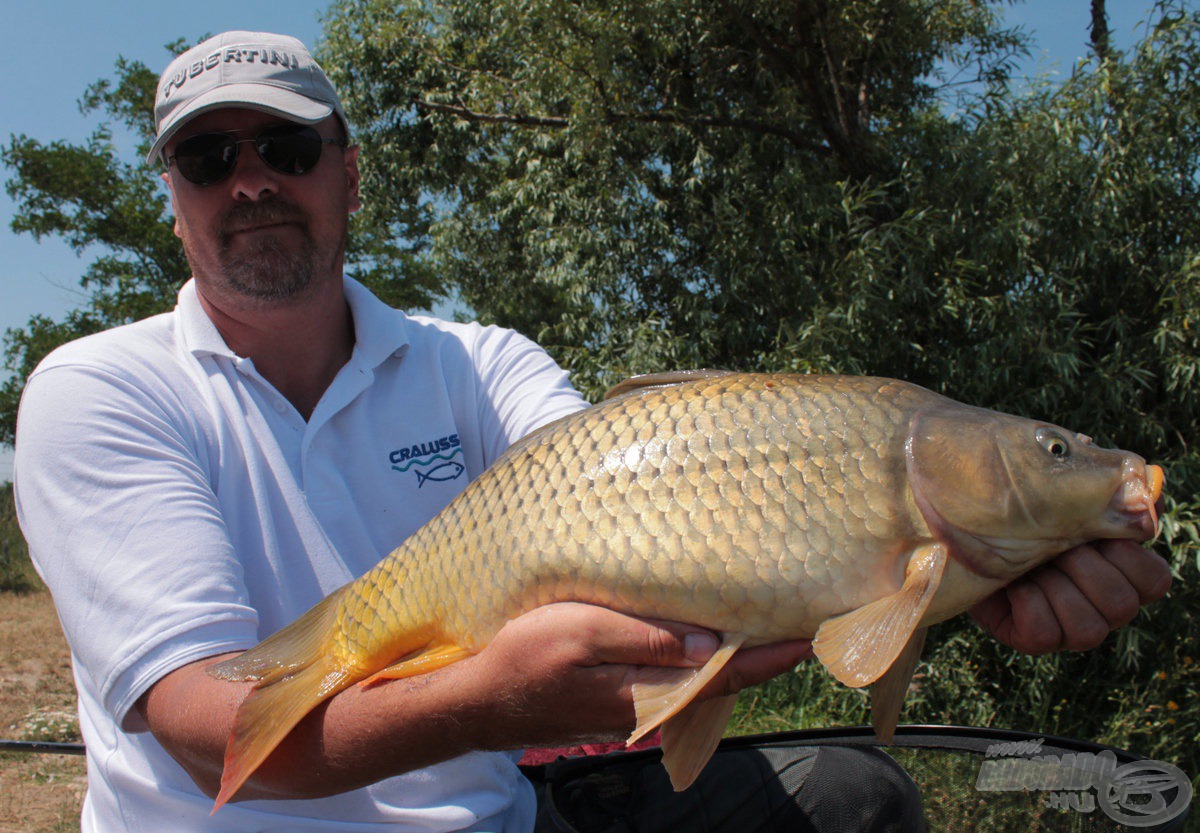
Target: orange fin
(429, 659)
(661, 693)
(289, 649)
(859, 646)
(889, 691)
(295, 673)
(690, 738)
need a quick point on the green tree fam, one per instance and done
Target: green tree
(796, 186)
(16, 570)
(663, 183)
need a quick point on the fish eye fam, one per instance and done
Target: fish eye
(1054, 442)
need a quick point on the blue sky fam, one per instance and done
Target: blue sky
(56, 48)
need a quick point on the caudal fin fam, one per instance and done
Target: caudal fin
(295, 672)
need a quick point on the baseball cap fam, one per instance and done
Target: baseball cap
(255, 70)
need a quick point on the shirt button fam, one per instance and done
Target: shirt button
(280, 405)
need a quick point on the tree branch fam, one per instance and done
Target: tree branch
(492, 118)
(616, 116)
(1099, 30)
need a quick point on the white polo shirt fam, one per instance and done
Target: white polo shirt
(178, 507)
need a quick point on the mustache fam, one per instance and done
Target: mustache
(265, 212)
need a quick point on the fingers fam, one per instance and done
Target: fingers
(618, 639)
(751, 666)
(629, 641)
(593, 636)
(1146, 570)
(1051, 614)
(633, 641)
(598, 649)
(1075, 601)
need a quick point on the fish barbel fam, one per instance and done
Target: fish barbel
(853, 510)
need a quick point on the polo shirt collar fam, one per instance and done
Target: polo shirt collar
(200, 336)
(380, 331)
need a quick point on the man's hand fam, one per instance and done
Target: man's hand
(1074, 602)
(563, 673)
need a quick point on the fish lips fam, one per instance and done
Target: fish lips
(1138, 500)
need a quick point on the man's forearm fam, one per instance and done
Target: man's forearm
(356, 738)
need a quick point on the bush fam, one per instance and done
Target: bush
(16, 570)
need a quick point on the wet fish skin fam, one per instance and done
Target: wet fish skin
(760, 506)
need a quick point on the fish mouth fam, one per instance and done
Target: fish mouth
(1135, 503)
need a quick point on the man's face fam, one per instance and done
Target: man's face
(261, 234)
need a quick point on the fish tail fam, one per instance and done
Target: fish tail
(295, 672)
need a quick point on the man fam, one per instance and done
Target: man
(191, 483)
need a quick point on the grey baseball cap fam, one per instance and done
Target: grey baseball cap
(255, 70)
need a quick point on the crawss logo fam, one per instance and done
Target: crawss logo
(436, 460)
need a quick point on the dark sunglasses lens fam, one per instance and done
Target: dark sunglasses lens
(206, 158)
(290, 149)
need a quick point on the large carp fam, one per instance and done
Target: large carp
(854, 510)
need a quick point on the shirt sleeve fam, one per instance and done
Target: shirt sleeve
(123, 526)
(521, 389)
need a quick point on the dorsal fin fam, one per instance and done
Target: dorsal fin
(658, 380)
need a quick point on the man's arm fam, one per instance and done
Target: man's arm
(558, 675)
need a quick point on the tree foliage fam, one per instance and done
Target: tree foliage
(647, 184)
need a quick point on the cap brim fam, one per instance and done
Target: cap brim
(262, 97)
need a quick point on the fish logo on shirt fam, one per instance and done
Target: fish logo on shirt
(432, 461)
(448, 470)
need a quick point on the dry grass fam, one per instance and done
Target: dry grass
(38, 793)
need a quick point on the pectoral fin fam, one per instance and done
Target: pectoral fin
(887, 695)
(859, 646)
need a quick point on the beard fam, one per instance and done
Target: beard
(270, 270)
(267, 267)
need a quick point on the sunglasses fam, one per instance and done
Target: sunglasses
(207, 158)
